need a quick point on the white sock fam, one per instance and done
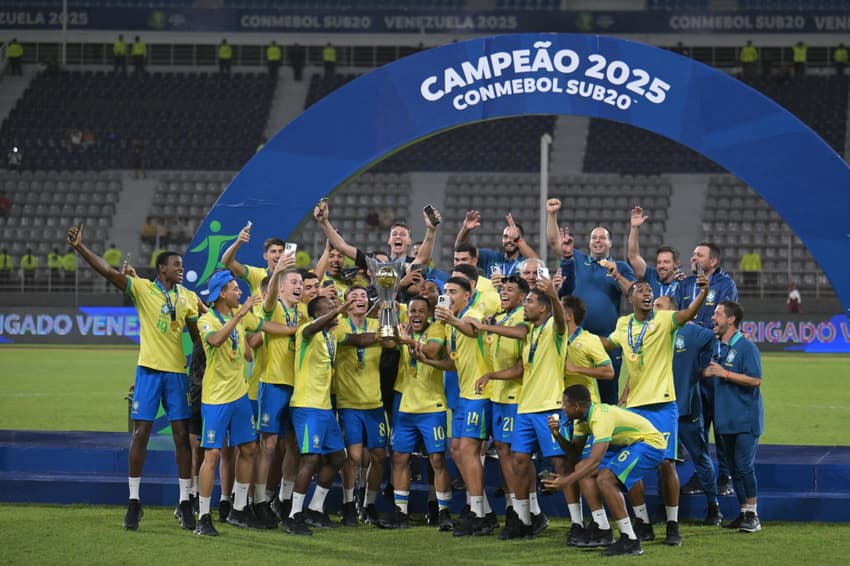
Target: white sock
(487, 509)
(134, 487)
(185, 488)
(576, 513)
(240, 499)
(317, 502)
(483, 458)
(601, 519)
(751, 509)
(672, 512)
(641, 513)
(467, 497)
(286, 488)
(297, 503)
(444, 499)
(401, 499)
(347, 495)
(476, 504)
(510, 500)
(370, 496)
(203, 506)
(224, 497)
(196, 485)
(535, 505)
(625, 527)
(259, 492)
(523, 510)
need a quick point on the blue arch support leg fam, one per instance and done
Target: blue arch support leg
(514, 75)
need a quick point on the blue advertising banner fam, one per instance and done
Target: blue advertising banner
(709, 111)
(84, 325)
(423, 21)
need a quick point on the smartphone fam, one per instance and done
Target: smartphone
(417, 267)
(444, 301)
(327, 283)
(289, 248)
(678, 274)
(543, 273)
(546, 475)
(495, 270)
(698, 269)
(249, 224)
(432, 216)
(126, 259)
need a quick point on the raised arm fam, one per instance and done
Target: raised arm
(553, 237)
(322, 265)
(218, 337)
(548, 287)
(337, 242)
(471, 221)
(524, 249)
(691, 311)
(635, 260)
(326, 319)
(75, 240)
(518, 332)
(464, 325)
(228, 260)
(272, 292)
(426, 250)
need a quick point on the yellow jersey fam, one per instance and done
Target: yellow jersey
(314, 368)
(421, 385)
(341, 286)
(618, 427)
(224, 379)
(280, 369)
(486, 297)
(505, 353)
(254, 278)
(651, 367)
(585, 350)
(468, 354)
(543, 355)
(161, 339)
(357, 374)
(261, 360)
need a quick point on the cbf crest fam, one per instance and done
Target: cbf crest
(680, 343)
(730, 357)
(316, 441)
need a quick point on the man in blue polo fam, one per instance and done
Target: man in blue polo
(514, 247)
(738, 411)
(665, 277)
(721, 287)
(598, 280)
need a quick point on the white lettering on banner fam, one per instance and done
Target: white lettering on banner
(832, 23)
(428, 23)
(791, 332)
(29, 19)
(636, 83)
(15, 324)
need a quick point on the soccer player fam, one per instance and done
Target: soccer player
(646, 338)
(625, 448)
(316, 428)
(272, 251)
(471, 420)
(691, 345)
(225, 408)
(597, 279)
(164, 307)
(666, 277)
(738, 411)
(514, 247)
(541, 367)
(467, 254)
(360, 408)
(421, 417)
(309, 290)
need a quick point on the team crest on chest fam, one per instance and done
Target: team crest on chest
(709, 299)
(730, 357)
(680, 343)
(164, 309)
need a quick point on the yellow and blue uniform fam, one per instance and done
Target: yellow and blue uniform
(504, 353)
(543, 355)
(422, 408)
(161, 371)
(648, 353)
(254, 278)
(316, 429)
(278, 380)
(486, 297)
(585, 350)
(225, 407)
(255, 371)
(635, 447)
(472, 417)
(357, 386)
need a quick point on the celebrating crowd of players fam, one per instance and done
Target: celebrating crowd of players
(294, 383)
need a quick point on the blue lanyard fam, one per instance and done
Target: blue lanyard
(361, 350)
(732, 341)
(636, 344)
(172, 310)
(533, 349)
(290, 321)
(412, 349)
(234, 334)
(509, 270)
(331, 344)
(665, 287)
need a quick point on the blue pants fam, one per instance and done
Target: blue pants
(609, 389)
(690, 433)
(706, 393)
(741, 449)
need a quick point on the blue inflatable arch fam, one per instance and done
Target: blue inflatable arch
(514, 75)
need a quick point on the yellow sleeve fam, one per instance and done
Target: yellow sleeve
(595, 353)
(191, 304)
(251, 322)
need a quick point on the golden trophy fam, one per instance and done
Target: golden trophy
(386, 277)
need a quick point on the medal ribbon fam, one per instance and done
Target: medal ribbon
(533, 349)
(290, 321)
(234, 334)
(172, 310)
(636, 344)
(361, 350)
(331, 344)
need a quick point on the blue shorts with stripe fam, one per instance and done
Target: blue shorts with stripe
(471, 419)
(411, 429)
(532, 430)
(364, 426)
(632, 463)
(273, 413)
(235, 418)
(665, 418)
(504, 416)
(153, 387)
(452, 388)
(316, 430)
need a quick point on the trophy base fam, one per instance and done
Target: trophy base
(388, 333)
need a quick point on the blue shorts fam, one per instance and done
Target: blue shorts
(504, 415)
(532, 430)
(154, 387)
(452, 387)
(471, 419)
(410, 427)
(235, 418)
(255, 407)
(273, 413)
(665, 418)
(316, 430)
(632, 463)
(364, 426)
(396, 405)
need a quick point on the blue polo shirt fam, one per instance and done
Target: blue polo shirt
(589, 281)
(488, 258)
(691, 342)
(661, 289)
(738, 409)
(721, 288)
